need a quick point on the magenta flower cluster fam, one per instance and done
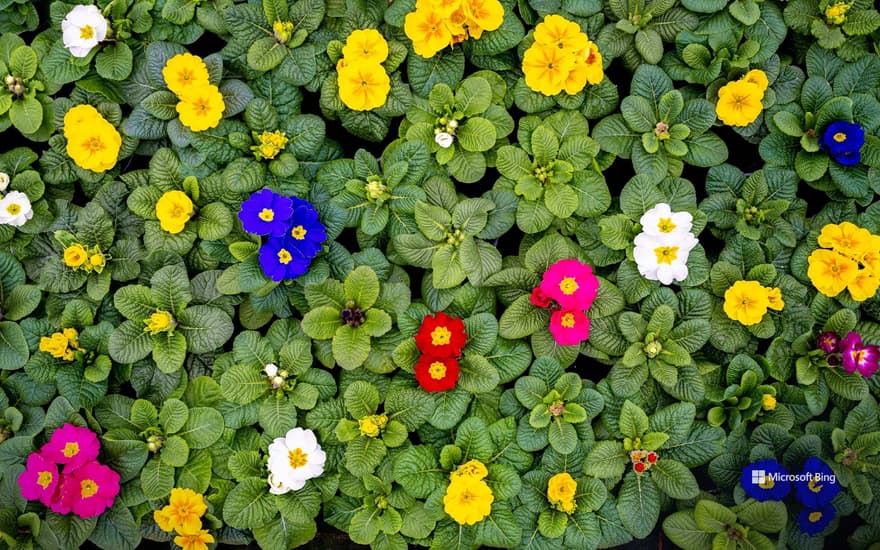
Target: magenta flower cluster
(850, 352)
(66, 476)
(568, 289)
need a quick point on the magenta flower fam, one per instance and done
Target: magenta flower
(828, 342)
(72, 446)
(571, 283)
(569, 327)
(90, 489)
(856, 356)
(39, 480)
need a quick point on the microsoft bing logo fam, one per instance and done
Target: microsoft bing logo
(758, 477)
(761, 477)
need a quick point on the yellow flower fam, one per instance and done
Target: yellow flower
(427, 30)
(183, 513)
(863, 286)
(184, 72)
(835, 14)
(368, 426)
(558, 31)
(830, 272)
(468, 500)
(201, 107)
(92, 142)
(774, 297)
(746, 302)
(768, 402)
(195, 540)
(174, 209)
(55, 345)
(75, 255)
(871, 258)
(561, 490)
(472, 468)
(587, 69)
(363, 86)
(444, 8)
(72, 337)
(482, 15)
(757, 76)
(846, 238)
(158, 322)
(98, 259)
(271, 143)
(739, 103)
(283, 31)
(365, 46)
(546, 68)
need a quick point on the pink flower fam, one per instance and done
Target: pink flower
(855, 356)
(39, 480)
(90, 489)
(72, 446)
(569, 327)
(571, 283)
(828, 342)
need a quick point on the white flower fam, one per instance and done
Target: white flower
(15, 209)
(83, 28)
(4, 181)
(663, 258)
(660, 221)
(293, 459)
(271, 369)
(444, 139)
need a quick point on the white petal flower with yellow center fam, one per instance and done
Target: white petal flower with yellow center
(15, 209)
(663, 258)
(293, 459)
(82, 29)
(661, 220)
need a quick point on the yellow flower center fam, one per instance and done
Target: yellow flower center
(768, 402)
(158, 322)
(858, 356)
(202, 107)
(665, 225)
(44, 479)
(441, 336)
(87, 488)
(86, 32)
(94, 144)
(284, 256)
(14, 209)
(266, 214)
(298, 232)
(568, 285)
(815, 516)
(297, 458)
(666, 254)
(814, 485)
(767, 483)
(437, 370)
(567, 320)
(839, 137)
(71, 449)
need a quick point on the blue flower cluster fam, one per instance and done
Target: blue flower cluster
(294, 230)
(815, 488)
(843, 140)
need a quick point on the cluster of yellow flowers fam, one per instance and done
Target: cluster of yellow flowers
(92, 142)
(748, 301)
(852, 263)
(561, 490)
(76, 256)
(174, 209)
(468, 498)
(835, 14)
(739, 102)
(183, 514)
(372, 425)
(270, 144)
(161, 321)
(561, 58)
(200, 103)
(61, 345)
(436, 24)
(363, 82)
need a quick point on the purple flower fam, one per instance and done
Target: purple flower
(856, 356)
(828, 342)
(266, 213)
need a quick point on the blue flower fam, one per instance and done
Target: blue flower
(305, 229)
(281, 261)
(813, 521)
(820, 487)
(288, 256)
(266, 213)
(765, 480)
(843, 140)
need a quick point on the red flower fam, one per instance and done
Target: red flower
(639, 467)
(434, 374)
(652, 457)
(441, 336)
(539, 298)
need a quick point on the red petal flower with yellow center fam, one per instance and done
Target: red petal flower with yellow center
(436, 375)
(441, 336)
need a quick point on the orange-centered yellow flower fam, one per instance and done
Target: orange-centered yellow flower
(546, 68)
(428, 32)
(468, 500)
(365, 46)
(739, 103)
(201, 107)
(185, 72)
(92, 142)
(846, 238)
(174, 209)
(746, 302)
(183, 513)
(831, 272)
(363, 86)
(561, 33)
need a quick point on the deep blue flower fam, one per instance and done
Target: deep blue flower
(843, 140)
(289, 256)
(813, 521)
(820, 488)
(281, 261)
(765, 480)
(266, 213)
(305, 229)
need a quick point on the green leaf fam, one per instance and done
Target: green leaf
(473, 96)
(243, 384)
(26, 115)
(202, 428)
(13, 346)
(562, 436)
(363, 454)
(362, 287)
(477, 135)
(351, 346)
(157, 479)
(633, 420)
(682, 530)
(322, 322)
(477, 375)
(206, 328)
(417, 470)
(521, 319)
(545, 145)
(172, 417)
(607, 459)
(675, 479)
(114, 61)
(249, 504)
(638, 504)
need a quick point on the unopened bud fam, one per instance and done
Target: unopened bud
(10, 80)
(4, 181)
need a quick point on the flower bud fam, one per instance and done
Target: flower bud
(444, 139)
(452, 124)
(271, 369)
(828, 342)
(4, 181)
(10, 80)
